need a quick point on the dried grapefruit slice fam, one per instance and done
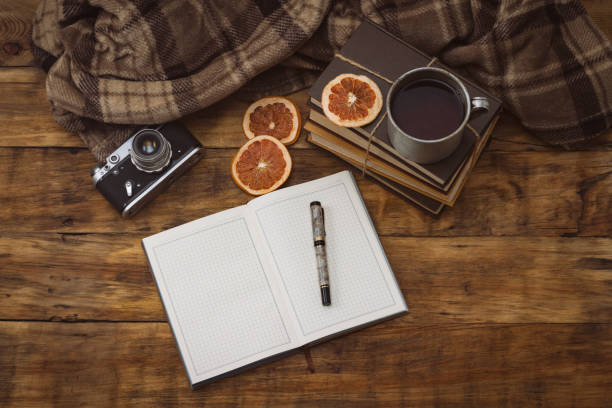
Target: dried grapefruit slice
(262, 165)
(273, 116)
(351, 100)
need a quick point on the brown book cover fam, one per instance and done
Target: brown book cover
(379, 51)
(348, 134)
(412, 196)
(356, 156)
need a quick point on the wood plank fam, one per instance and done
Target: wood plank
(45, 276)
(15, 24)
(22, 75)
(76, 277)
(137, 364)
(27, 120)
(25, 113)
(535, 193)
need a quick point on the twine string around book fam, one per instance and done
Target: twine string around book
(371, 134)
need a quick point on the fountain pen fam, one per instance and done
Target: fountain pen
(318, 232)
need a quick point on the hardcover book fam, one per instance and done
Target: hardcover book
(420, 200)
(356, 156)
(374, 52)
(389, 154)
(240, 287)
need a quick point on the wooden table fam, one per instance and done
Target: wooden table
(510, 291)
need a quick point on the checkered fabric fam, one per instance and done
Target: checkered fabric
(115, 64)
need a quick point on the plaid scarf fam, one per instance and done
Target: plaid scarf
(115, 64)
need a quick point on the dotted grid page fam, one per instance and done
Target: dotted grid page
(218, 297)
(357, 282)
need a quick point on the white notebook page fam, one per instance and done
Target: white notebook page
(241, 285)
(363, 287)
(221, 304)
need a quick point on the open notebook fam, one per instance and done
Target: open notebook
(241, 286)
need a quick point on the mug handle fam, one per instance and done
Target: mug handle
(479, 103)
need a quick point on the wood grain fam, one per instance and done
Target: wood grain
(137, 365)
(510, 291)
(26, 114)
(22, 75)
(15, 25)
(65, 277)
(531, 193)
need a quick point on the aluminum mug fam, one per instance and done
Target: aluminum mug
(430, 151)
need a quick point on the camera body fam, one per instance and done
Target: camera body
(143, 166)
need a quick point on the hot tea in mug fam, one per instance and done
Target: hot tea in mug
(428, 108)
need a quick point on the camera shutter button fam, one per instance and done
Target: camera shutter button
(113, 159)
(129, 188)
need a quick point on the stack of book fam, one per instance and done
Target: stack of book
(374, 52)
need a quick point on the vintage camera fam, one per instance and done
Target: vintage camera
(144, 165)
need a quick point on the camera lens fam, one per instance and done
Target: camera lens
(151, 151)
(147, 146)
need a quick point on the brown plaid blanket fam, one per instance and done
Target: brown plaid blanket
(113, 64)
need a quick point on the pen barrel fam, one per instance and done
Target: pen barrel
(321, 258)
(317, 216)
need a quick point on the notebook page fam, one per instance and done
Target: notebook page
(363, 287)
(221, 303)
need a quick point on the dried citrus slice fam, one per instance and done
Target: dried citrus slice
(274, 116)
(262, 165)
(351, 100)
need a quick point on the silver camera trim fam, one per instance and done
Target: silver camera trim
(159, 182)
(123, 152)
